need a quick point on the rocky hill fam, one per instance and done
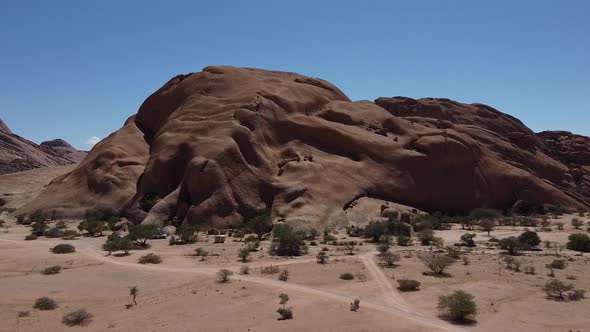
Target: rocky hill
(18, 154)
(220, 144)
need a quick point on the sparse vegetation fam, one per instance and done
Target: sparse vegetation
(511, 245)
(436, 262)
(285, 312)
(404, 241)
(80, 317)
(577, 223)
(55, 269)
(347, 276)
(408, 285)
(556, 289)
(558, 264)
(22, 314)
(223, 275)
(529, 239)
(63, 248)
(284, 275)
(467, 239)
(322, 257)
(45, 304)
(287, 242)
(579, 242)
(355, 305)
(244, 269)
(148, 201)
(458, 306)
(487, 225)
(244, 253)
(261, 223)
(389, 259)
(150, 259)
(30, 237)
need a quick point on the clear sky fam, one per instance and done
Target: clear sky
(77, 69)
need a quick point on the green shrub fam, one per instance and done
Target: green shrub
(512, 245)
(63, 248)
(408, 285)
(287, 242)
(142, 233)
(458, 306)
(148, 201)
(223, 275)
(579, 242)
(437, 262)
(347, 276)
(45, 304)
(467, 239)
(529, 239)
(404, 241)
(54, 232)
(558, 264)
(261, 223)
(30, 237)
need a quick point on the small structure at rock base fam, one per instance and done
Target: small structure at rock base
(219, 239)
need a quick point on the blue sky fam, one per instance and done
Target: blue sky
(78, 69)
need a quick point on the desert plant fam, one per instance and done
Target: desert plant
(284, 311)
(382, 247)
(529, 269)
(529, 239)
(347, 276)
(148, 201)
(467, 239)
(458, 306)
(512, 263)
(260, 223)
(558, 264)
(349, 247)
(93, 227)
(404, 241)
(287, 242)
(487, 225)
(142, 233)
(45, 303)
(511, 245)
(577, 223)
(244, 253)
(80, 317)
(244, 269)
(22, 314)
(557, 289)
(437, 262)
(355, 305)
(375, 230)
(284, 275)
(133, 292)
(54, 232)
(389, 258)
(223, 275)
(577, 295)
(322, 257)
(30, 237)
(186, 234)
(453, 252)
(408, 285)
(63, 248)
(426, 236)
(579, 242)
(150, 259)
(51, 270)
(559, 225)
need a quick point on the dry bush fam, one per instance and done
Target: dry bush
(284, 275)
(63, 248)
(557, 289)
(529, 269)
(577, 295)
(408, 285)
(322, 257)
(389, 258)
(354, 306)
(45, 303)
(22, 314)
(244, 269)
(271, 269)
(437, 262)
(558, 264)
(51, 270)
(150, 259)
(223, 275)
(80, 317)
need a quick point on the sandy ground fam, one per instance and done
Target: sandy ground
(182, 292)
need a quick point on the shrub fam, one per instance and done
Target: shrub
(529, 270)
(349, 247)
(260, 223)
(45, 303)
(51, 270)
(559, 225)
(355, 305)
(322, 257)
(63, 248)
(93, 226)
(150, 259)
(558, 264)
(577, 295)
(284, 275)
(467, 239)
(54, 232)
(347, 276)
(389, 258)
(466, 261)
(141, 233)
(271, 269)
(458, 306)
(244, 253)
(244, 269)
(22, 314)
(284, 311)
(437, 262)
(529, 239)
(223, 275)
(375, 230)
(511, 245)
(577, 223)
(408, 285)
(382, 247)
(70, 234)
(404, 241)
(453, 252)
(579, 242)
(77, 318)
(487, 225)
(512, 263)
(426, 236)
(30, 237)
(186, 234)
(287, 242)
(557, 289)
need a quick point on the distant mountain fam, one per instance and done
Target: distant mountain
(18, 154)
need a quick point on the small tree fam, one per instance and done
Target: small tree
(530, 239)
(511, 245)
(322, 257)
(426, 236)
(375, 230)
(244, 253)
(187, 233)
(284, 311)
(142, 233)
(467, 239)
(389, 258)
(557, 289)
(487, 225)
(223, 275)
(437, 262)
(287, 242)
(133, 292)
(93, 227)
(110, 246)
(458, 306)
(579, 242)
(577, 223)
(261, 223)
(559, 225)
(148, 201)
